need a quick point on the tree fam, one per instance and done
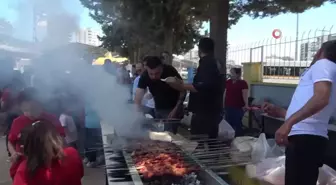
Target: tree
(147, 24)
(266, 8)
(138, 25)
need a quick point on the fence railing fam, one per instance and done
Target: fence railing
(283, 58)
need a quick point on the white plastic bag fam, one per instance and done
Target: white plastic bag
(327, 176)
(260, 149)
(275, 149)
(186, 120)
(244, 144)
(271, 170)
(225, 132)
(242, 147)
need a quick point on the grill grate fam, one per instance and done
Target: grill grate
(117, 168)
(220, 158)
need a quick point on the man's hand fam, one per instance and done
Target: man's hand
(245, 108)
(176, 84)
(172, 113)
(281, 135)
(273, 110)
(14, 157)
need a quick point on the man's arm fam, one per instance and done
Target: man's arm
(320, 99)
(181, 99)
(209, 76)
(245, 93)
(245, 96)
(139, 94)
(141, 90)
(182, 91)
(209, 79)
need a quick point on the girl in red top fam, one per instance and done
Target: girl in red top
(236, 95)
(32, 112)
(47, 162)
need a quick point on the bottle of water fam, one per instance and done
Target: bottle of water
(161, 126)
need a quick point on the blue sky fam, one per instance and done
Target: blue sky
(246, 31)
(252, 30)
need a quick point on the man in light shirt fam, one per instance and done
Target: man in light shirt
(148, 101)
(305, 131)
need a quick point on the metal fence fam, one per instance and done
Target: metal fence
(283, 58)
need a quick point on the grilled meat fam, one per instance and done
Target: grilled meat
(159, 161)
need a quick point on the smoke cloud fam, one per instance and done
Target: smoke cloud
(43, 15)
(65, 66)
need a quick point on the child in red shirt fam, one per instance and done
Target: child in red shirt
(32, 112)
(47, 162)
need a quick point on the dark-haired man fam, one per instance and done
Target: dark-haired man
(206, 92)
(305, 131)
(168, 101)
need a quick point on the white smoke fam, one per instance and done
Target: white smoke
(36, 15)
(98, 87)
(59, 58)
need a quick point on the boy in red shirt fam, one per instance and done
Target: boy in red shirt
(47, 162)
(32, 112)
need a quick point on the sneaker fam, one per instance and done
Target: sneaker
(91, 164)
(101, 160)
(85, 160)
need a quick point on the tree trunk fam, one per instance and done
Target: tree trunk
(219, 24)
(168, 44)
(213, 19)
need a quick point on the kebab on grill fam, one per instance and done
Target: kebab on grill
(160, 161)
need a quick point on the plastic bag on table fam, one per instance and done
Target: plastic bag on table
(327, 176)
(275, 149)
(260, 149)
(244, 144)
(225, 131)
(271, 170)
(242, 147)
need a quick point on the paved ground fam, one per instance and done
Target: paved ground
(92, 176)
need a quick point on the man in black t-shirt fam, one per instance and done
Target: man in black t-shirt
(168, 101)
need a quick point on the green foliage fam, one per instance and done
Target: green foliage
(148, 24)
(129, 24)
(265, 8)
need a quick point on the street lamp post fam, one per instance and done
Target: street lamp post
(297, 37)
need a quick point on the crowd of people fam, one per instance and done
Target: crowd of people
(50, 141)
(304, 132)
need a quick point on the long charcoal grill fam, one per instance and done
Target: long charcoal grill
(214, 162)
(122, 171)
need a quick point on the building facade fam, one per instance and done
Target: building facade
(87, 36)
(309, 49)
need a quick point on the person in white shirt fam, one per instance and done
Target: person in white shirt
(148, 100)
(305, 131)
(71, 136)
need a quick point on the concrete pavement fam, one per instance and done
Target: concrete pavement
(92, 176)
